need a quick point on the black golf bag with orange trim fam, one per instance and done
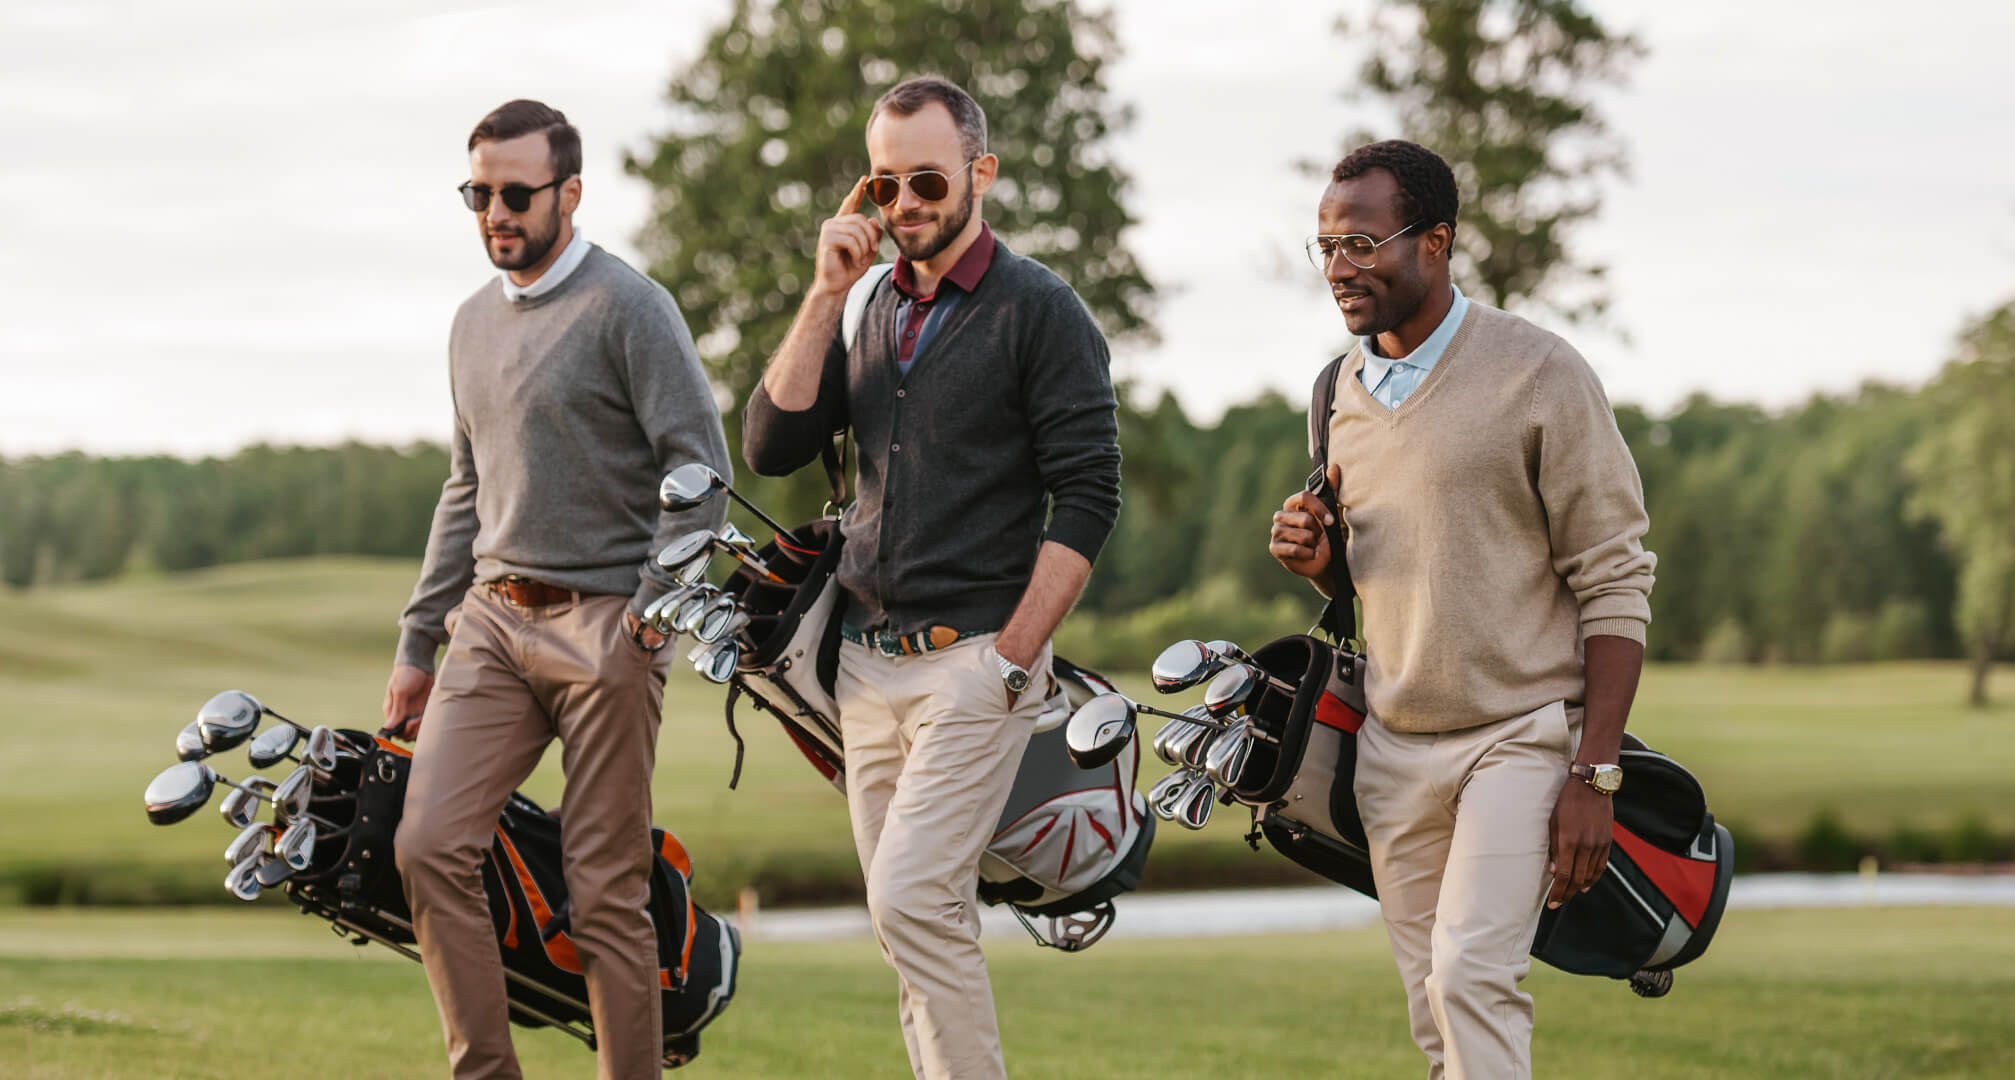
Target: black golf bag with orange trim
(354, 883)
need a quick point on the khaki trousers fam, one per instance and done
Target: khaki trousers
(1459, 824)
(931, 752)
(513, 680)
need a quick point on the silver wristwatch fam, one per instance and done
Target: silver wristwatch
(1013, 675)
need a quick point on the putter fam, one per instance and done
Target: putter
(687, 556)
(243, 882)
(296, 846)
(1099, 729)
(249, 842)
(189, 743)
(695, 482)
(1161, 797)
(1194, 804)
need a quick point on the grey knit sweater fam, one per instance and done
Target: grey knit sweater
(569, 409)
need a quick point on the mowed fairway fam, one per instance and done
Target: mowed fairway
(1839, 994)
(96, 679)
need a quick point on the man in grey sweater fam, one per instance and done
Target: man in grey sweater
(576, 388)
(979, 392)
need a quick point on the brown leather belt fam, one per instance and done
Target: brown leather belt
(529, 592)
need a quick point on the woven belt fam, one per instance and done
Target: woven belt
(921, 641)
(520, 591)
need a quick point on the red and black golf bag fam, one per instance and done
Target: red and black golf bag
(354, 883)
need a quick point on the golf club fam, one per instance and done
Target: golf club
(1099, 729)
(1161, 798)
(271, 871)
(230, 718)
(241, 807)
(1225, 761)
(1194, 804)
(295, 792)
(1237, 687)
(741, 547)
(1183, 665)
(272, 746)
(687, 556)
(189, 743)
(714, 618)
(243, 882)
(687, 614)
(695, 482)
(717, 663)
(659, 614)
(250, 841)
(1193, 746)
(296, 846)
(180, 790)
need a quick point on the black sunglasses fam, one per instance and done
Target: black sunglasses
(929, 184)
(517, 197)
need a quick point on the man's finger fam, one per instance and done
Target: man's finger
(1288, 552)
(1309, 504)
(852, 203)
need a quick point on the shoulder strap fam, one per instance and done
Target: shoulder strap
(835, 458)
(1339, 616)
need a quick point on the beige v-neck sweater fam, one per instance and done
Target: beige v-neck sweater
(1495, 520)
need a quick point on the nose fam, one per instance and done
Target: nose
(907, 199)
(1340, 269)
(497, 213)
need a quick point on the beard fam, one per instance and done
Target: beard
(923, 247)
(533, 243)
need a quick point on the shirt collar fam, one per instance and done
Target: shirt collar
(569, 261)
(966, 273)
(1425, 357)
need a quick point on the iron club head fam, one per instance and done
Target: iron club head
(1194, 804)
(321, 751)
(243, 882)
(250, 841)
(1161, 798)
(712, 624)
(296, 846)
(1225, 761)
(295, 792)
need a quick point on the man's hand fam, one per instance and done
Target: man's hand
(1299, 540)
(406, 700)
(847, 244)
(1580, 840)
(646, 636)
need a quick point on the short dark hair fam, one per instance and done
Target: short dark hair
(1426, 183)
(909, 97)
(516, 119)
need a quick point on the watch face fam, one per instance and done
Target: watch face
(1017, 681)
(1608, 779)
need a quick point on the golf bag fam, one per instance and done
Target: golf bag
(1655, 907)
(354, 883)
(1069, 841)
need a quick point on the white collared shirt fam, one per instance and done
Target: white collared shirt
(569, 261)
(1392, 381)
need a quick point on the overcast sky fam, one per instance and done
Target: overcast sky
(231, 221)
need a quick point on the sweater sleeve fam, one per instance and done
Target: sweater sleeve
(675, 408)
(450, 565)
(1593, 498)
(1067, 386)
(778, 443)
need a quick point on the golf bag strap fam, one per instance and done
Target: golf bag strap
(734, 693)
(835, 461)
(1339, 616)
(850, 329)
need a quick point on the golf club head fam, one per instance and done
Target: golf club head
(688, 486)
(1233, 689)
(1099, 729)
(717, 663)
(713, 621)
(1195, 745)
(228, 719)
(272, 871)
(687, 614)
(243, 881)
(178, 791)
(260, 786)
(1225, 761)
(321, 749)
(250, 841)
(240, 808)
(1163, 739)
(1228, 651)
(1183, 665)
(272, 746)
(1194, 804)
(659, 614)
(294, 793)
(687, 556)
(296, 846)
(189, 743)
(732, 534)
(1161, 798)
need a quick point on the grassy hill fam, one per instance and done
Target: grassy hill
(95, 680)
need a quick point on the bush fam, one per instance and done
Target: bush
(1827, 845)
(1902, 631)
(1848, 639)
(1727, 643)
(1909, 844)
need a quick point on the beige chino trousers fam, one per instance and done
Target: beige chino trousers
(513, 680)
(1460, 824)
(932, 748)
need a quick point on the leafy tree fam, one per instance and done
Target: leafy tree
(1503, 89)
(768, 135)
(1965, 470)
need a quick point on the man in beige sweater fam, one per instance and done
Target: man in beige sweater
(1493, 520)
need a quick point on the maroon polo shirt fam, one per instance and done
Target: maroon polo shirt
(913, 309)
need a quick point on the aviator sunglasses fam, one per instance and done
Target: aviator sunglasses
(930, 185)
(517, 197)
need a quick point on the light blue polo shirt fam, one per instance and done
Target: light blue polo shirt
(1391, 382)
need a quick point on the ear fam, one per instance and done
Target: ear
(985, 169)
(1440, 240)
(570, 194)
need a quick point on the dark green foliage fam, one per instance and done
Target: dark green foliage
(1827, 845)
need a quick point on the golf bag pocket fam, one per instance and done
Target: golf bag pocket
(1304, 772)
(796, 627)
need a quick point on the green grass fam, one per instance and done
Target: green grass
(1856, 993)
(97, 679)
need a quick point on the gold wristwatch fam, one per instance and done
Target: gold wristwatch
(1605, 779)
